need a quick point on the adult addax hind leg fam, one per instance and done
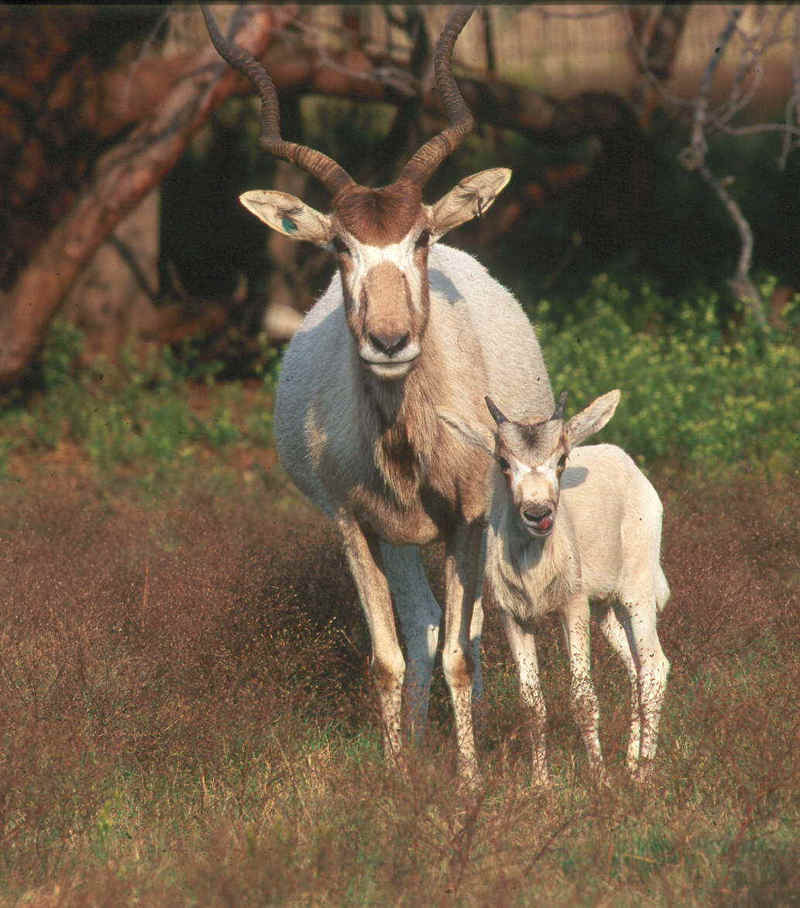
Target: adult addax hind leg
(419, 616)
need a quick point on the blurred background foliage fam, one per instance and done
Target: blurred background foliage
(687, 243)
(624, 268)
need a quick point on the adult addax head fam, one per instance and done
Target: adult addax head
(380, 235)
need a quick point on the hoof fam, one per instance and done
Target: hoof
(470, 784)
(642, 776)
(541, 782)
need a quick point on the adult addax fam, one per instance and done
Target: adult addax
(405, 326)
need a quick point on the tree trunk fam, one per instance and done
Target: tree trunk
(112, 301)
(176, 98)
(123, 177)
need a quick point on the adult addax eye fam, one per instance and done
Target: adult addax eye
(504, 464)
(424, 239)
(340, 246)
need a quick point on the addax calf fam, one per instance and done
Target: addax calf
(569, 525)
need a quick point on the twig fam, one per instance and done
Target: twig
(146, 47)
(129, 257)
(754, 50)
(757, 128)
(640, 55)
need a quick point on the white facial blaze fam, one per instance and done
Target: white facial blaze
(527, 484)
(364, 258)
(516, 474)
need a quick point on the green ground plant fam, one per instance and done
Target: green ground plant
(156, 414)
(699, 391)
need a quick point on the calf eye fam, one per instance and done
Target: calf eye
(340, 246)
(504, 464)
(423, 239)
(562, 461)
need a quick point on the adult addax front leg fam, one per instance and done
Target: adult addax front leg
(419, 616)
(462, 565)
(388, 666)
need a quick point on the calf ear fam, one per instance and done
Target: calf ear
(592, 418)
(471, 197)
(474, 434)
(288, 215)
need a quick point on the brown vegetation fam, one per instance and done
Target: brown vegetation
(187, 716)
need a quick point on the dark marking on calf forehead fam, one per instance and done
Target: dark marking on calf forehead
(379, 216)
(532, 443)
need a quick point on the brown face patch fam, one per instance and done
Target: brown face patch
(379, 216)
(532, 443)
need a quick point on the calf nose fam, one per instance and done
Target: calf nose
(390, 344)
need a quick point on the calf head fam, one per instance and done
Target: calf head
(533, 456)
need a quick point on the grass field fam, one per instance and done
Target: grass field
(187, 715)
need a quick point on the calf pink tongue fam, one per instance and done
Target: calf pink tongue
(545, 523)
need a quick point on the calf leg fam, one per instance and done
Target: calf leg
(653, 668)
(575, 623)
(614, 632)
(523, 649)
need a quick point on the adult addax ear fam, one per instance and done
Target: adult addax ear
(592, 418)
(474, 434)
(471, 197)
(288, 215)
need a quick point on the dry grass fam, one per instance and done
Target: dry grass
(187, 718)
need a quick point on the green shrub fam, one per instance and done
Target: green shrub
(695, 393)
(64, 344)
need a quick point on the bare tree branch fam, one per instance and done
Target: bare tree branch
(757, 128)
(741, 284)
(694, 156)
(793, 104)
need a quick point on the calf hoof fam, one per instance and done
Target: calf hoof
(600, 778)
(643, 774)
(541, 781)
